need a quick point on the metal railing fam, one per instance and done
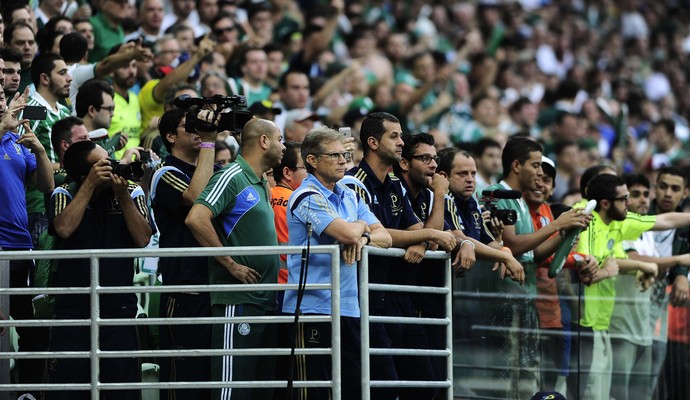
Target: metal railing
(94, 322)
(365, 286)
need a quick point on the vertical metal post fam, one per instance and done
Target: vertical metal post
(5, 339)
(336, 346)
(449, 327)
(364, 322)
(95, 313)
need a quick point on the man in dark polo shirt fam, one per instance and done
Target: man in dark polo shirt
(104, 211)
(388, 200)
(174, 188)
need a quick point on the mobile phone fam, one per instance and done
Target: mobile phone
(35, 113)
(345, 132)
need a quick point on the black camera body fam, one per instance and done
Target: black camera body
(133, 171)
(507, 216)
(232, 120)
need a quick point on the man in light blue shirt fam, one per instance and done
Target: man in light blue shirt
(324, 212)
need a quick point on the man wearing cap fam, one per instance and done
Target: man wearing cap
(265, 110)
(298, 122)
(548, 305)
(522, 171)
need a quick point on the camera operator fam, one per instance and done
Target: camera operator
(174, 188)
(522, 171)
(104, 211)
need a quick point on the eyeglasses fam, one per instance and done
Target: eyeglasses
(426, 158)
(625, 198)
(336, 156)
(110, 109)
(170, 52)
(636, 194)
(220, 31)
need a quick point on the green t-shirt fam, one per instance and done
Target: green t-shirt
(241, 207)
(35, 201)
(523, 226)
(603, 241)
(105, 38)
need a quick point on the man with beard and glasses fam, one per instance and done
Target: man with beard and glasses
(612, 223)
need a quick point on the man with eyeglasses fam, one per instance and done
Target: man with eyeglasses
(612, 223)
(95, 106)
(381, 137)
(323, 211)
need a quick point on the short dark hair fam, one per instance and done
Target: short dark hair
(410, 143)
(372, 126)
(91, 94)
(9, 31)
(75, 159)
(563, 144)
(636, 179)
(43, 64)
(482, 144)
(603, 187)
(46, 35)
(589, 174)
(518, 104)
(668, 124)
(73, 47)
(674, 171)
(518, 148)
(11, 55)
(289, 160)
(62, 130)
(169, 123)
(446, 157)
(282, 81)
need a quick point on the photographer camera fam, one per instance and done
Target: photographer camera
(105, 212)
(174, 188)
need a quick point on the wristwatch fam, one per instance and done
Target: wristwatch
(368, 236)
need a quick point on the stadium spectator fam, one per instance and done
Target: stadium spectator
(336, 215)
(241, 186)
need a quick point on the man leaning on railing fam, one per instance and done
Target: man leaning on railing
(323, 212)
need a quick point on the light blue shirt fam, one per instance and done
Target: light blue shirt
(321, 207)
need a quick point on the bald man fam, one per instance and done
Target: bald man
(237, 201)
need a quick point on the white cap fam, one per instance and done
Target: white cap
(99, 133)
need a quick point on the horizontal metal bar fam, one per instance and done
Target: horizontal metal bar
(163, 385)
(165, 289)
(165, 353)
(409, 352)
(419, 384)
(434, 255)
(409, 288)
(409, 320)
(165, 252)
(274, 319)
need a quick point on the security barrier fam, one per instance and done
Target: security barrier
(365, 286)
(95, 387)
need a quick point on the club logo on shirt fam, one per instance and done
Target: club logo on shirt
(313, 336)
(609, 245)
(244, 329)
(396, 204)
